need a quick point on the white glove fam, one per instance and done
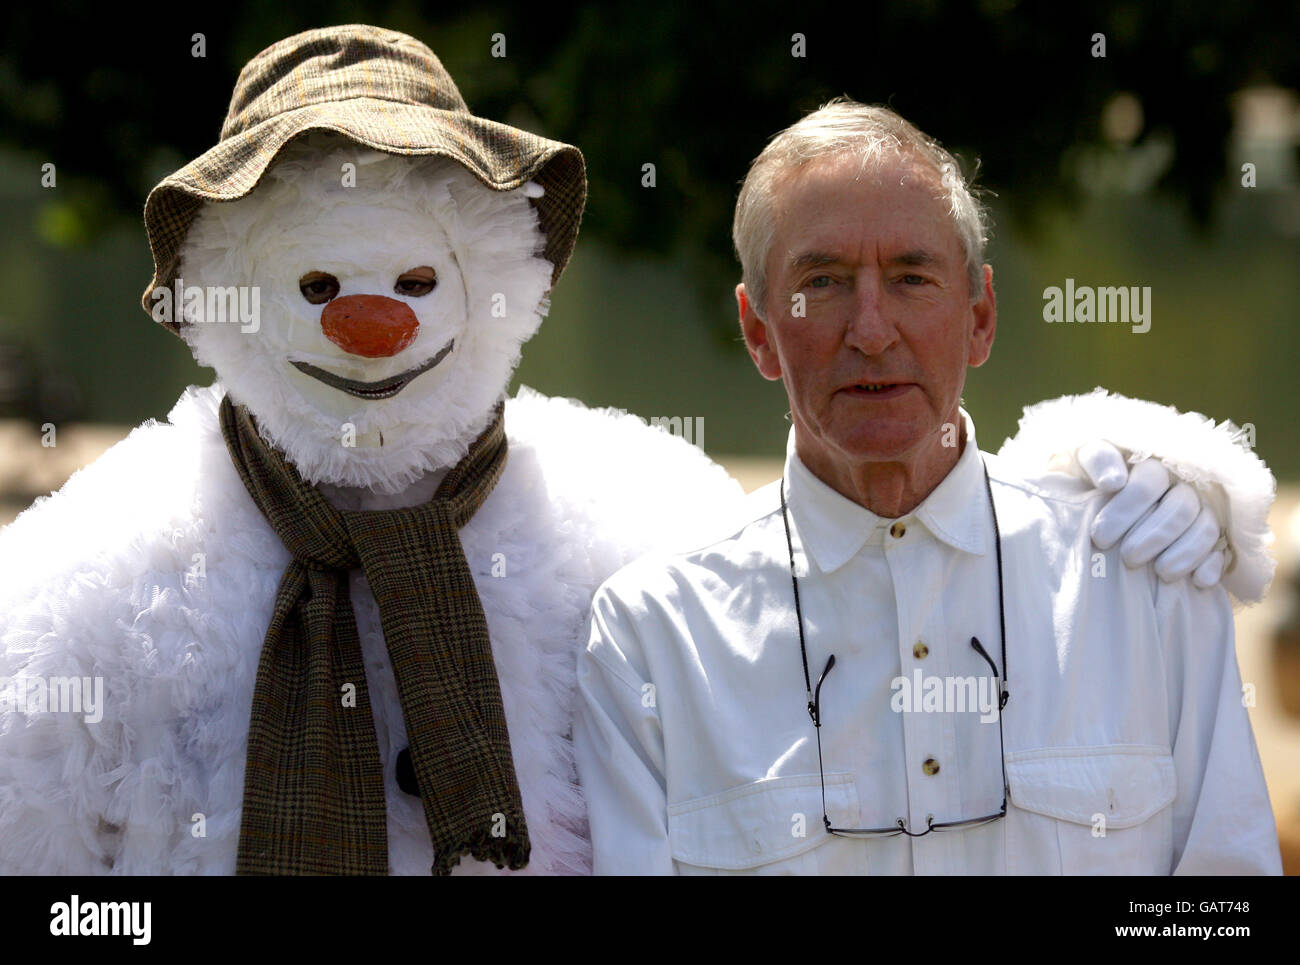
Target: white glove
(1212, 457)
(1167, 524)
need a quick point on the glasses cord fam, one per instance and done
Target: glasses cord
(814, 698)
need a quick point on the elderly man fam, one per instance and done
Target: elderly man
(906, 657)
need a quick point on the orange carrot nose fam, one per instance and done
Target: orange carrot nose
(374, 326)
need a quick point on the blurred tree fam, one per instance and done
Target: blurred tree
(1112, 161)
(693, 88)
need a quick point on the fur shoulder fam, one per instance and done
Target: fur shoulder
(637, 486)
(145, 484)
(1213, 458)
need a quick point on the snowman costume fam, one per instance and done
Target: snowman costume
(134, 603)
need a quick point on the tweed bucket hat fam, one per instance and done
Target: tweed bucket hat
(381, 89)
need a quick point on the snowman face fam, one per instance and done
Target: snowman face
(362, 325)
(394, 295)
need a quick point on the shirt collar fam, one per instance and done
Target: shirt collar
(833, 528)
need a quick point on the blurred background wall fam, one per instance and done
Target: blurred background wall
(1122, 169)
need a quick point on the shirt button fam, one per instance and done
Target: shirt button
(920, 651)
(930, 766)
(897, 530)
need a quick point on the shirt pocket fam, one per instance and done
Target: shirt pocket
(773, 826)
(1091, 810)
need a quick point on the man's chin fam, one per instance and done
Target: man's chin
(879, 439)
(879, 450)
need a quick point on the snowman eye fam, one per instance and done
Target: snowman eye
(318, 287)
(416, 282)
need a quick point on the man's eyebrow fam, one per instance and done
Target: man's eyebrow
(913, 257)
(813, 258)
(916, 258)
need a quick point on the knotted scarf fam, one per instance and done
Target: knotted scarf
(314, 784)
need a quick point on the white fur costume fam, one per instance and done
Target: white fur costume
(153, 570)
(582, 493)
(1227, 475)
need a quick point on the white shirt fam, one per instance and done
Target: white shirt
(1127, 746)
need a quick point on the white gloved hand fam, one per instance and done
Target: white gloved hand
(1217, 459)
(1167, 524)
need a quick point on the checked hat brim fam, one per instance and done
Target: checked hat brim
(500, 156)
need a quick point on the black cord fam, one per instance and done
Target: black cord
(798, 613)
(1002, 608)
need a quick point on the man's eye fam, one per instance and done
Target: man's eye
(914, 279)
(417, 281)
(821, 281)
(318, 287)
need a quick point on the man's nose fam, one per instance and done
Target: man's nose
(373, 326)
(870, 329)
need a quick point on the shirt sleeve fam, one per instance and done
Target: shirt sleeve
(619, 747)
(1223, 821)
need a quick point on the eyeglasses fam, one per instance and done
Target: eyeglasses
(815, 699)
(900, 827)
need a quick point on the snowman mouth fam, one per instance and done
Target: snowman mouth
(383, 389)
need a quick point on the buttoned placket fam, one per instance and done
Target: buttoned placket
(938, 753)
(932, 768)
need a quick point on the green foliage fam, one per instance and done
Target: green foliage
(694, 88)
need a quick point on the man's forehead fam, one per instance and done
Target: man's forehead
(829, 206)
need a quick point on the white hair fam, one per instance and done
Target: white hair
(843, 126)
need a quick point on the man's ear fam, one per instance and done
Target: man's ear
(757, 340)
(985, 312)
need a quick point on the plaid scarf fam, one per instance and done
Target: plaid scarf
(314, 785)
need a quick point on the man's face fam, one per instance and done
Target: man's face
(873, 259)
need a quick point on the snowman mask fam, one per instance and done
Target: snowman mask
(394, 297)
